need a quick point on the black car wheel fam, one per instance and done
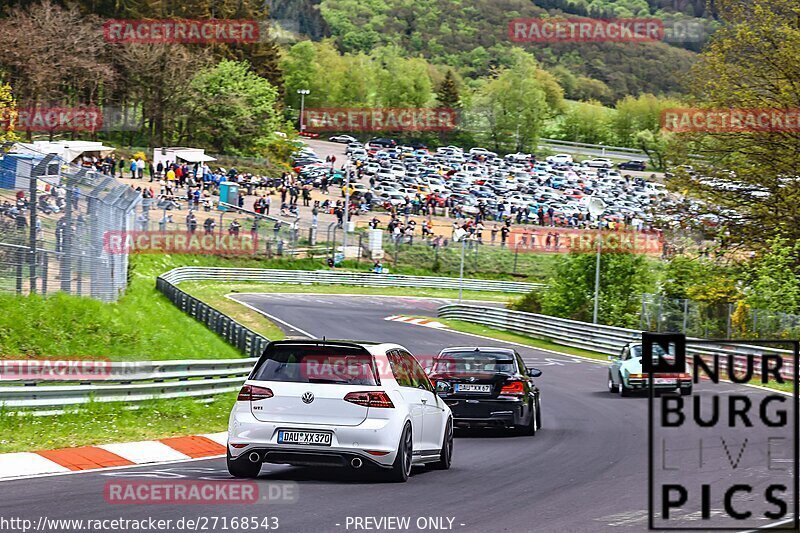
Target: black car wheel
(401, 468)
(530, 427)
(623, 390)
(446, 454)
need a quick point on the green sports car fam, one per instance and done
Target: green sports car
(625, 374)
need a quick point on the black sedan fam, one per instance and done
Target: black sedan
(488, 387)
(632, 165)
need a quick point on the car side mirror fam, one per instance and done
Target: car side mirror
(534, 372)
(443, 387)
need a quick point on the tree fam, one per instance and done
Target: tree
(447, 93)
(8, 114)
(655, 145)
(299, 66)
(775, 278)
(233, 109)
(747, 179)
(514, 105)
(54, 55)
(623, 279)
(585, 122)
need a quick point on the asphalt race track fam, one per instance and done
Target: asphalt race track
(585, 470)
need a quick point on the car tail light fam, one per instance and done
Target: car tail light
(637, 376)
(251, 393)
(370, 399)
(513, 388)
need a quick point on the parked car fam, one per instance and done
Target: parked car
(343, 139)
(559, 159)
(632, 165)
(599, 162)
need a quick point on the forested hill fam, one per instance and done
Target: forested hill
(472, 36)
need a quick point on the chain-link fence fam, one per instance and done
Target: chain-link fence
(715, 320)
(274, 236)
(54, 218)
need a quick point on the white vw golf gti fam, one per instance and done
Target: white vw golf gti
(339, 403)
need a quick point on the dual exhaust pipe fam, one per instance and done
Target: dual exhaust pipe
(355, 462)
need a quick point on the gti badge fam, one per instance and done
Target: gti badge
(308, 397)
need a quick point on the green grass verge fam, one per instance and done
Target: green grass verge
(99, 423)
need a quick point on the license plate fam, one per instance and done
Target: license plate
(315, 438)
(469, 387)
(665, 381)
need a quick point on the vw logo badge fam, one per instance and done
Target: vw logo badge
(473, 379)
(308, 397)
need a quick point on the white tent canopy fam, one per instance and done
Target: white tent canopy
(69, 151)
(172, 155)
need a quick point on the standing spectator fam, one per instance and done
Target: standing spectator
(121, 167)
(233, 229)
(504, 231)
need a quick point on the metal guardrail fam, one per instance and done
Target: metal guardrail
(333, 277)
(556, 143)
(594, 337)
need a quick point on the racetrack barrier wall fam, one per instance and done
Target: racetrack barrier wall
(594, 337)
(338, 277)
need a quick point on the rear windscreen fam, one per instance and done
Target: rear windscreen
(467, 362)
(345, 365)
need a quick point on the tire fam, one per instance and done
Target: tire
(530, 428)
(623, 390)
(686, 391)
(611, 387)
(242, 467)
(446, 454)
(401, 468)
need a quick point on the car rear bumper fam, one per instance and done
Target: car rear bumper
(249, 435)
(487, 413)
(642, 384)
(303, 456)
